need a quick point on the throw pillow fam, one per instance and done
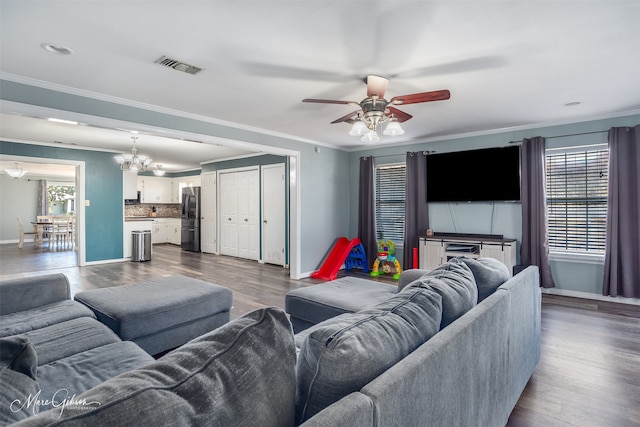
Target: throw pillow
(343, 354)
(18, 386)
(454, 282)
(242, 373)
(489, 274)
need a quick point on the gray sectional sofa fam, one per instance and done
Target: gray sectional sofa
(427, 354)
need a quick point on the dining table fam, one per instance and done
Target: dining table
(41, 227)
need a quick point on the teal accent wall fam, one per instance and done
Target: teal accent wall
(498, 218)
(103, 188)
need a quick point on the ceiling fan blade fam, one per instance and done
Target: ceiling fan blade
(376, 85)
(436, 95)
(346, 118)
(329, 101)
(400, 115)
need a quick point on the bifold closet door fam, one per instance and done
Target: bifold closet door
(229, 213)
(249, 214)
(240, 213)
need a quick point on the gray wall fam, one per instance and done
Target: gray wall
(498, 218)
(19, 198)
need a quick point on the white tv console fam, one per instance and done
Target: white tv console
(437, 250)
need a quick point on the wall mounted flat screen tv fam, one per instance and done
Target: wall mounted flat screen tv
(487, 175)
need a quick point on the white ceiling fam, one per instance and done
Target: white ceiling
(507, 64)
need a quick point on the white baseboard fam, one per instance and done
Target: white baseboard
(589, 295)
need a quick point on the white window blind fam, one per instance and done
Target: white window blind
(577, 200)
(390, 197)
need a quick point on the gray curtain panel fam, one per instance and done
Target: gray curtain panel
(367, 210)
(622, 253)
(416, 210)
(43, 198)
(535, 238)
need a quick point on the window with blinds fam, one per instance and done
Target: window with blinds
(390, 196)
(577, 200)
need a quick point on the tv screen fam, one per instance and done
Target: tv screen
(488, 175)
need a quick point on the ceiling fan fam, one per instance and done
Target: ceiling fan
(375, 109)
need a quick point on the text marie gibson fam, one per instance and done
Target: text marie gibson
(60, 399)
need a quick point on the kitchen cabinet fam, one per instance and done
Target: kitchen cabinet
(174, 234)
(179, 183)
(129, 227)
(130, 188)
(155, 189)
(159, 231)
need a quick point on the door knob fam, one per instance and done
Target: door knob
(265, 221)
(246, 220)
(229, 219)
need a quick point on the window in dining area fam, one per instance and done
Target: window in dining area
(62, 198)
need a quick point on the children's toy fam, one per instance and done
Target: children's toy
(386, 261)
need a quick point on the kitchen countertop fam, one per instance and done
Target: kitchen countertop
(148, 218)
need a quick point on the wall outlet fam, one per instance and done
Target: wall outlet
(87, 202)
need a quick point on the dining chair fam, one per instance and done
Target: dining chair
(22, 233)
(59, 232)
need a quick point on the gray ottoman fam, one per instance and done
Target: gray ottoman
(314, 304)
(160, 314)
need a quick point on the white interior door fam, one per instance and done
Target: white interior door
(273, 214)
(249, 214)
(229, 213)
(208, 213)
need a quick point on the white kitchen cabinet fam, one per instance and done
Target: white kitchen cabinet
(435, 251)
(155, 189)
(173, 231)
(129, 187)
(179, 183)
(159, 231)
(129, 227)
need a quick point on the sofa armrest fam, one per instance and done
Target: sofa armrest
(26, 293)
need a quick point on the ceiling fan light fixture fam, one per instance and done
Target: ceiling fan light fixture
(393, 128)
(359, 128)
(15, 172)
(370, 137)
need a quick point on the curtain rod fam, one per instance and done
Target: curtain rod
(563, 136)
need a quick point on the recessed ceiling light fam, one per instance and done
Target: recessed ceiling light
(68, 122)
(57, 49)
(572, 103)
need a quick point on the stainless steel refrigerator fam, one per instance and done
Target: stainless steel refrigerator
(191, 219)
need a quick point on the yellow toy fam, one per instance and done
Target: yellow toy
(386, 261)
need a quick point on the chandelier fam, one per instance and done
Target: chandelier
(133, 162)
(158, 171)
(15, 172)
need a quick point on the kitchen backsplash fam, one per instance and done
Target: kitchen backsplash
(162, 210)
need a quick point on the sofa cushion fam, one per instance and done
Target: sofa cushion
(454, 282)
(243, 373)
(82, 371)
(41, 317)
(343, 354)
(489, 273)
(18, 384)
(73, 336)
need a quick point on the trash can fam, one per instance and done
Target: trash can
(141, 245)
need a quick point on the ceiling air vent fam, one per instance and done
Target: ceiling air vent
(177, 65)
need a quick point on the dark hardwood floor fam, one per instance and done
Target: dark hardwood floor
(589, 370)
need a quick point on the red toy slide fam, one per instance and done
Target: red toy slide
(337, 256)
